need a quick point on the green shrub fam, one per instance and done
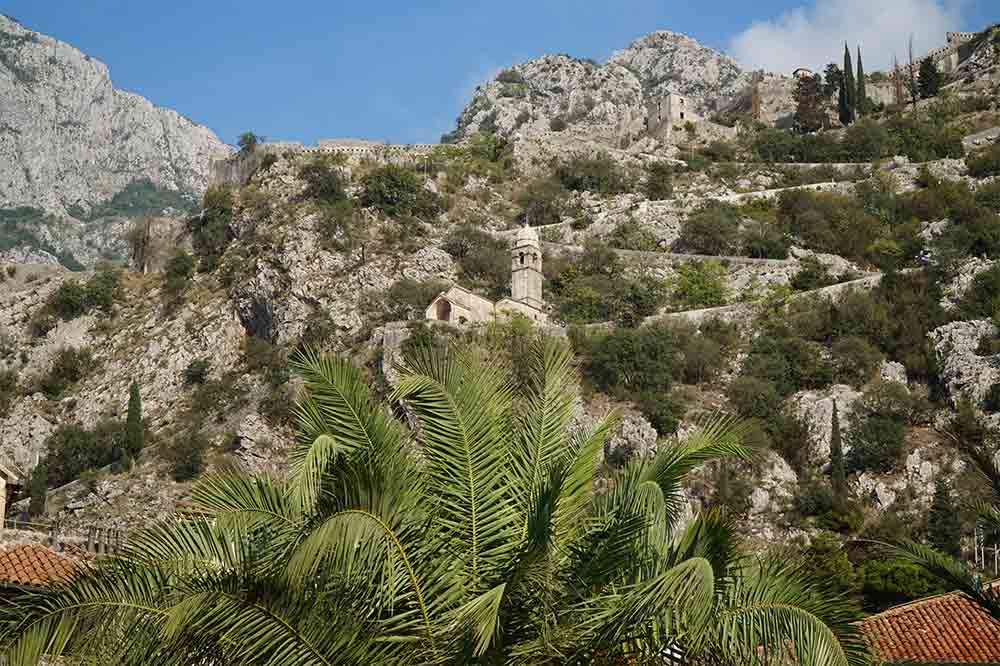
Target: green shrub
(266, 359)
(632, 361)
(598, 173)
(712, 230)
(659, 181)
(69, 300)
(985, 163)
(72, 450)
(812, 274)
(541, 202)
(991, 401)
(212, 230)
(988, 196)
(8, 390)
(719, 151)
(754, 398)
(876, 442)
(700, 284)
(38, 489)
(396, 190)
(630, 235)
(214, 397)
(197, 371)
(177, 272)
(510, 76)
(664, 411)
(340, 226)
(484, 259)
(68, 367)
(889, 582)
(408, 298)
(319, 331)
(323, 178)
(829, 222)
(865, 141)
(789, 362)
(186, 455)
(592, 286)
(856, 360)
(982, 298)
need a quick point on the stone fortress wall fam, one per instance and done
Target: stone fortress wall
(235, 170)
(945, 58)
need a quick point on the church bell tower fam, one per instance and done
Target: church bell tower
(526, 269)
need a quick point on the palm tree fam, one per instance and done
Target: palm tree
(472, 536)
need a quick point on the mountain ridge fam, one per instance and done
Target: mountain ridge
(70, 140)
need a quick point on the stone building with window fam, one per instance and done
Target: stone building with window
(458, 305)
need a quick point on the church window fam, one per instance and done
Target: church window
(522, 258)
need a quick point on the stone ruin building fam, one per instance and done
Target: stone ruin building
(460, 306)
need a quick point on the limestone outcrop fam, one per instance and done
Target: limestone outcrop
(69, 139)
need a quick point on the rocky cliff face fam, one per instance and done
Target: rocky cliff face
(548, 93)
(69, 140)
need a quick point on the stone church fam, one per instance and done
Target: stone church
(461, 306)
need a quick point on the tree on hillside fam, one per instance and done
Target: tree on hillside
(474, 538)
(248, 142)
(861, 101)
(833, 80)
(912, 74)
(929, 81)
(809, 114)
(134, 434)
(943, 529)
(847, 91)
(838, 476)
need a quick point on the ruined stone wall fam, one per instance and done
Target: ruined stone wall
(237, 169)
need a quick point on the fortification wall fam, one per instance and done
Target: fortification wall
(237, 169)
(946, 57)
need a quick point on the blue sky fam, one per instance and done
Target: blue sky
(402, 71)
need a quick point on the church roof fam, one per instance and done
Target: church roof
(526, 235)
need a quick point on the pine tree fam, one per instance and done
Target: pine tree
(847, 90)
(943, 529)
(861, 103)
(134, 434)
(838, 477)
(929, 79)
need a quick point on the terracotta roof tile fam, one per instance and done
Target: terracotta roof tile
(950, 628)
(31, 564)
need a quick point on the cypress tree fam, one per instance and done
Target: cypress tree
(133, 422)
(861, 104)
(943, 529)
(838, 477)
(848, 90)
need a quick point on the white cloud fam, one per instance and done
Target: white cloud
(812, 36)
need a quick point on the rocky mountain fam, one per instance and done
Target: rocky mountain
(557, 91)
(70, 142)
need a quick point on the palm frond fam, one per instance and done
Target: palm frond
(954, 573)
(717, 438)
(463, 408)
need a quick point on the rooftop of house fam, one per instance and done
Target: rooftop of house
(945, 629)
(34, 565)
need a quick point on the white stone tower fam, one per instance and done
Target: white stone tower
(526, 269)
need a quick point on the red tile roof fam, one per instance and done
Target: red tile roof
(950, 628)
(31, 564)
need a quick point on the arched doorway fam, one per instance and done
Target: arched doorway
(442, 311)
